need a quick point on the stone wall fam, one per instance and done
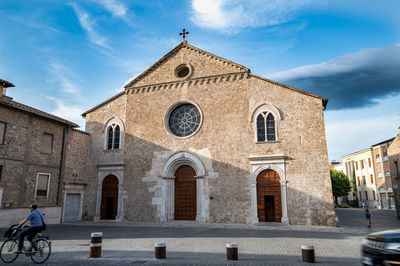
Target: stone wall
(22, 159)
(394, 156)
(76, 165)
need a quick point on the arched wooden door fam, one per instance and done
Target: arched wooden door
(269, 206)
(185, 193)
(109, 198)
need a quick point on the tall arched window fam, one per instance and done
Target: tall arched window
(113, 137)
(266, 127)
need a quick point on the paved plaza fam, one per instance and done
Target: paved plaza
(199, 244)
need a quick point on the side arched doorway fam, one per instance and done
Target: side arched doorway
(109, 198)
(185, 193)
(269, 206)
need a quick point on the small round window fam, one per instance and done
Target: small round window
(183, 71)
(184, 120)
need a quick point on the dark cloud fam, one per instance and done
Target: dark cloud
(350, 81)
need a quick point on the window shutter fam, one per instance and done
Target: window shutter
(2, 132)
(47, 143)
(42, 185)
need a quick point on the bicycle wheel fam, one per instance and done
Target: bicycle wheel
(8, 251)
(43, 251)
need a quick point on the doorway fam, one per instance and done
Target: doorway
(109, 198)
(269, 206)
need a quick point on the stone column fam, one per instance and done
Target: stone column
(169, 199)
(285, 218)
(98, 203)
(200, 199)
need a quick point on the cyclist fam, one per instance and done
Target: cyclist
(36, 219)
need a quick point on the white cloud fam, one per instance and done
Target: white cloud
(87, 23)
(71, 113)
(350, 136)
(232, 15)
(64, 78)
(116, 8)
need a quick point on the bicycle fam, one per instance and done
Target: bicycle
(39, 250)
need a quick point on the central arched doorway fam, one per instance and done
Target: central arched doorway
(109, 198)
(185, 193)
(269, 206)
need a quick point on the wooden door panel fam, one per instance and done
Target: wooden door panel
(268, 185)
(185, 194)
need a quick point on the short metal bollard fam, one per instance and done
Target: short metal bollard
(232, 251)
(307, 253)
(160, 250)
(95, 245)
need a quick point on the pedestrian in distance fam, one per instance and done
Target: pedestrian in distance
(368, 215)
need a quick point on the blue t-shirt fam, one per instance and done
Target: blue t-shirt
(35, 217)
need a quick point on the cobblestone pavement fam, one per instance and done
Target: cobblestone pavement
(194, 244)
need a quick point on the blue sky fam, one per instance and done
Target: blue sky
(67, 56)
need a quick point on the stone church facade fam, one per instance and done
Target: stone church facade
(198, 137)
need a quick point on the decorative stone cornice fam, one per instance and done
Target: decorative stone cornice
(229, 77)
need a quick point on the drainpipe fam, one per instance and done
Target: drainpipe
(61, 166)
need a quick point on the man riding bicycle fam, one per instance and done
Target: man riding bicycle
(36, 219)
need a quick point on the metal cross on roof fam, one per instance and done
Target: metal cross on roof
(183, 33)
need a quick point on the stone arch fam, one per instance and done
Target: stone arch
(268, 167)
(266, 107)
(115, 120)
(110, 122)
(102, 174)
(269, 109)
(259, 164)
(183, 158)
(172, 164)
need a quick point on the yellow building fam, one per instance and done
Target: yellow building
(361, 163)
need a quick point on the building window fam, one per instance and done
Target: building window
(42, 185)
(47, 143)
(1, 171)
(364, 181)
(377, 156)
(359, 192)
(356, 166)
(358, 180)
(396, 168)
(373, 194)
(2, 132)
(113, 137)
(384, 154)
(184, 120)
(366, 195)
(372, 179)
(362, 164)
(266, 127)
(369, 162)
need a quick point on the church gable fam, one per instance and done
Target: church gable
(186, 62)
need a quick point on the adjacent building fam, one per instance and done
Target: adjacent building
(360, 165)
(383, 174)
(393, 153)
(42, 160)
